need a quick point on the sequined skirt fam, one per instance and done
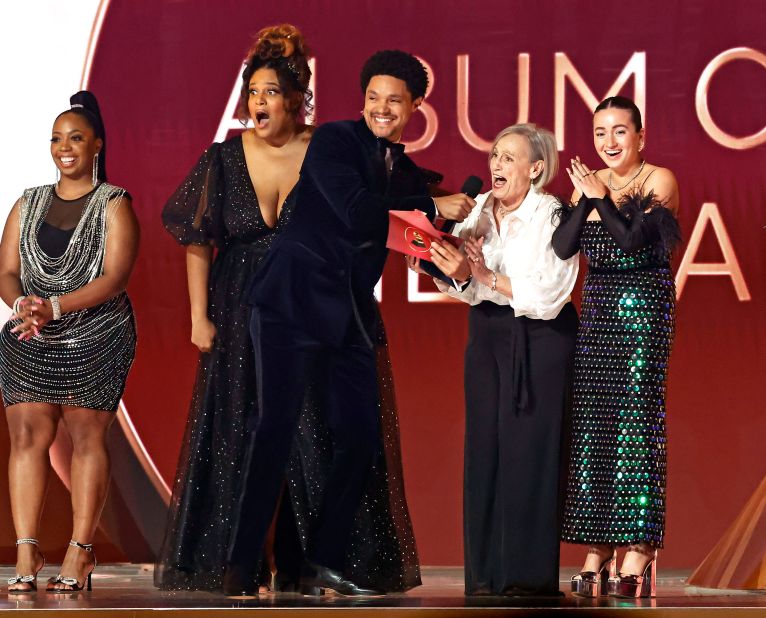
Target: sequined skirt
(617, 472)
(87, 370)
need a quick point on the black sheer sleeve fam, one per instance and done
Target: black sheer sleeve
(193, 214)
(630, 233)
(566, 236)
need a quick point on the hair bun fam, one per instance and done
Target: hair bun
(283, 50)
(86, 100)
(284, 41)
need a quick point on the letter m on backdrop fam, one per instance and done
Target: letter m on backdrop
(565, 70)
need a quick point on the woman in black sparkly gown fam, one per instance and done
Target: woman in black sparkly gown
(237, 198)
(625, 226)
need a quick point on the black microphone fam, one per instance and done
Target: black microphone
(471, 187)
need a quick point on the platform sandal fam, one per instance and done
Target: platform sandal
(636, 586)
(594, 583)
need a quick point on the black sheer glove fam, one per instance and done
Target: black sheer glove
(566, 237)
(629, 234)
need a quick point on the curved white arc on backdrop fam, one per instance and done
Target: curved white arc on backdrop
(134, 473)
(95, 33)
(142, 455)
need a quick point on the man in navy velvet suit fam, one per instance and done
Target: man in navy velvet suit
(313, 295)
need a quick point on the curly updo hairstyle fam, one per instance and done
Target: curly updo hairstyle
(85, 105)
(283, 49)
(397, 64)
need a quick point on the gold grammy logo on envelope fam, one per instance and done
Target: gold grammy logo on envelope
(415, 239)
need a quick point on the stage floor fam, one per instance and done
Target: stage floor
(128, 588)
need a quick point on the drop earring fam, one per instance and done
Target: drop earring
(95, 170)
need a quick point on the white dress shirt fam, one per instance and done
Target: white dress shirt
(521, 249)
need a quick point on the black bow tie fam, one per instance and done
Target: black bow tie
(397, 150)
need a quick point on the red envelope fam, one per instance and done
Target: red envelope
(410, 232)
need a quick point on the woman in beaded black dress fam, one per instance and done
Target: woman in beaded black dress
(227, 212)
(624, 223)
(65, 258)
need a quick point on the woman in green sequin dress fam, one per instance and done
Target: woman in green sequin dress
(625, 226)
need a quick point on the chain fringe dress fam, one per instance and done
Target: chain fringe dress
(83, 358)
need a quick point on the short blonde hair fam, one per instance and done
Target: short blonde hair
(542, 147)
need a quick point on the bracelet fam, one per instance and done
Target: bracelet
(494, 281)
(56, 306)
(16, 308)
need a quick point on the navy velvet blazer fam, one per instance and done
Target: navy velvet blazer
(320, 272)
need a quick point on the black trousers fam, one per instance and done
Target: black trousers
(515, 449)
(285, 356)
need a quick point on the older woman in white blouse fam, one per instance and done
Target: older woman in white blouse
(518, 368)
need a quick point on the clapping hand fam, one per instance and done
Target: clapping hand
(479, 270)
(585, 180)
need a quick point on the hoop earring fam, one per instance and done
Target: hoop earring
(95, 170)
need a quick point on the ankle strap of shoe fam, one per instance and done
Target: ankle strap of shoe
(86, 546)
(645, 550)
(28, 541)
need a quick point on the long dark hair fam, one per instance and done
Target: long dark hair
(85, 105)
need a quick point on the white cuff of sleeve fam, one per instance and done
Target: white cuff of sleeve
(436, 208)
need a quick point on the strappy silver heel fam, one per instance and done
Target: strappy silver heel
(26, 579)
(75, 584)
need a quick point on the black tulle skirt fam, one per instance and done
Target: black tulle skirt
(382, 552)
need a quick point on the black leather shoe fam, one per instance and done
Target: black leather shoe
(315, 578)
(286, 582)
(239, 582)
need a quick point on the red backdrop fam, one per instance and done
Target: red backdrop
(164, 71)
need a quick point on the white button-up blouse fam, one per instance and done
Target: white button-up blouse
(521, 249)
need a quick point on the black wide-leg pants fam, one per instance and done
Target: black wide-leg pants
(518, 374)
(285, 357)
